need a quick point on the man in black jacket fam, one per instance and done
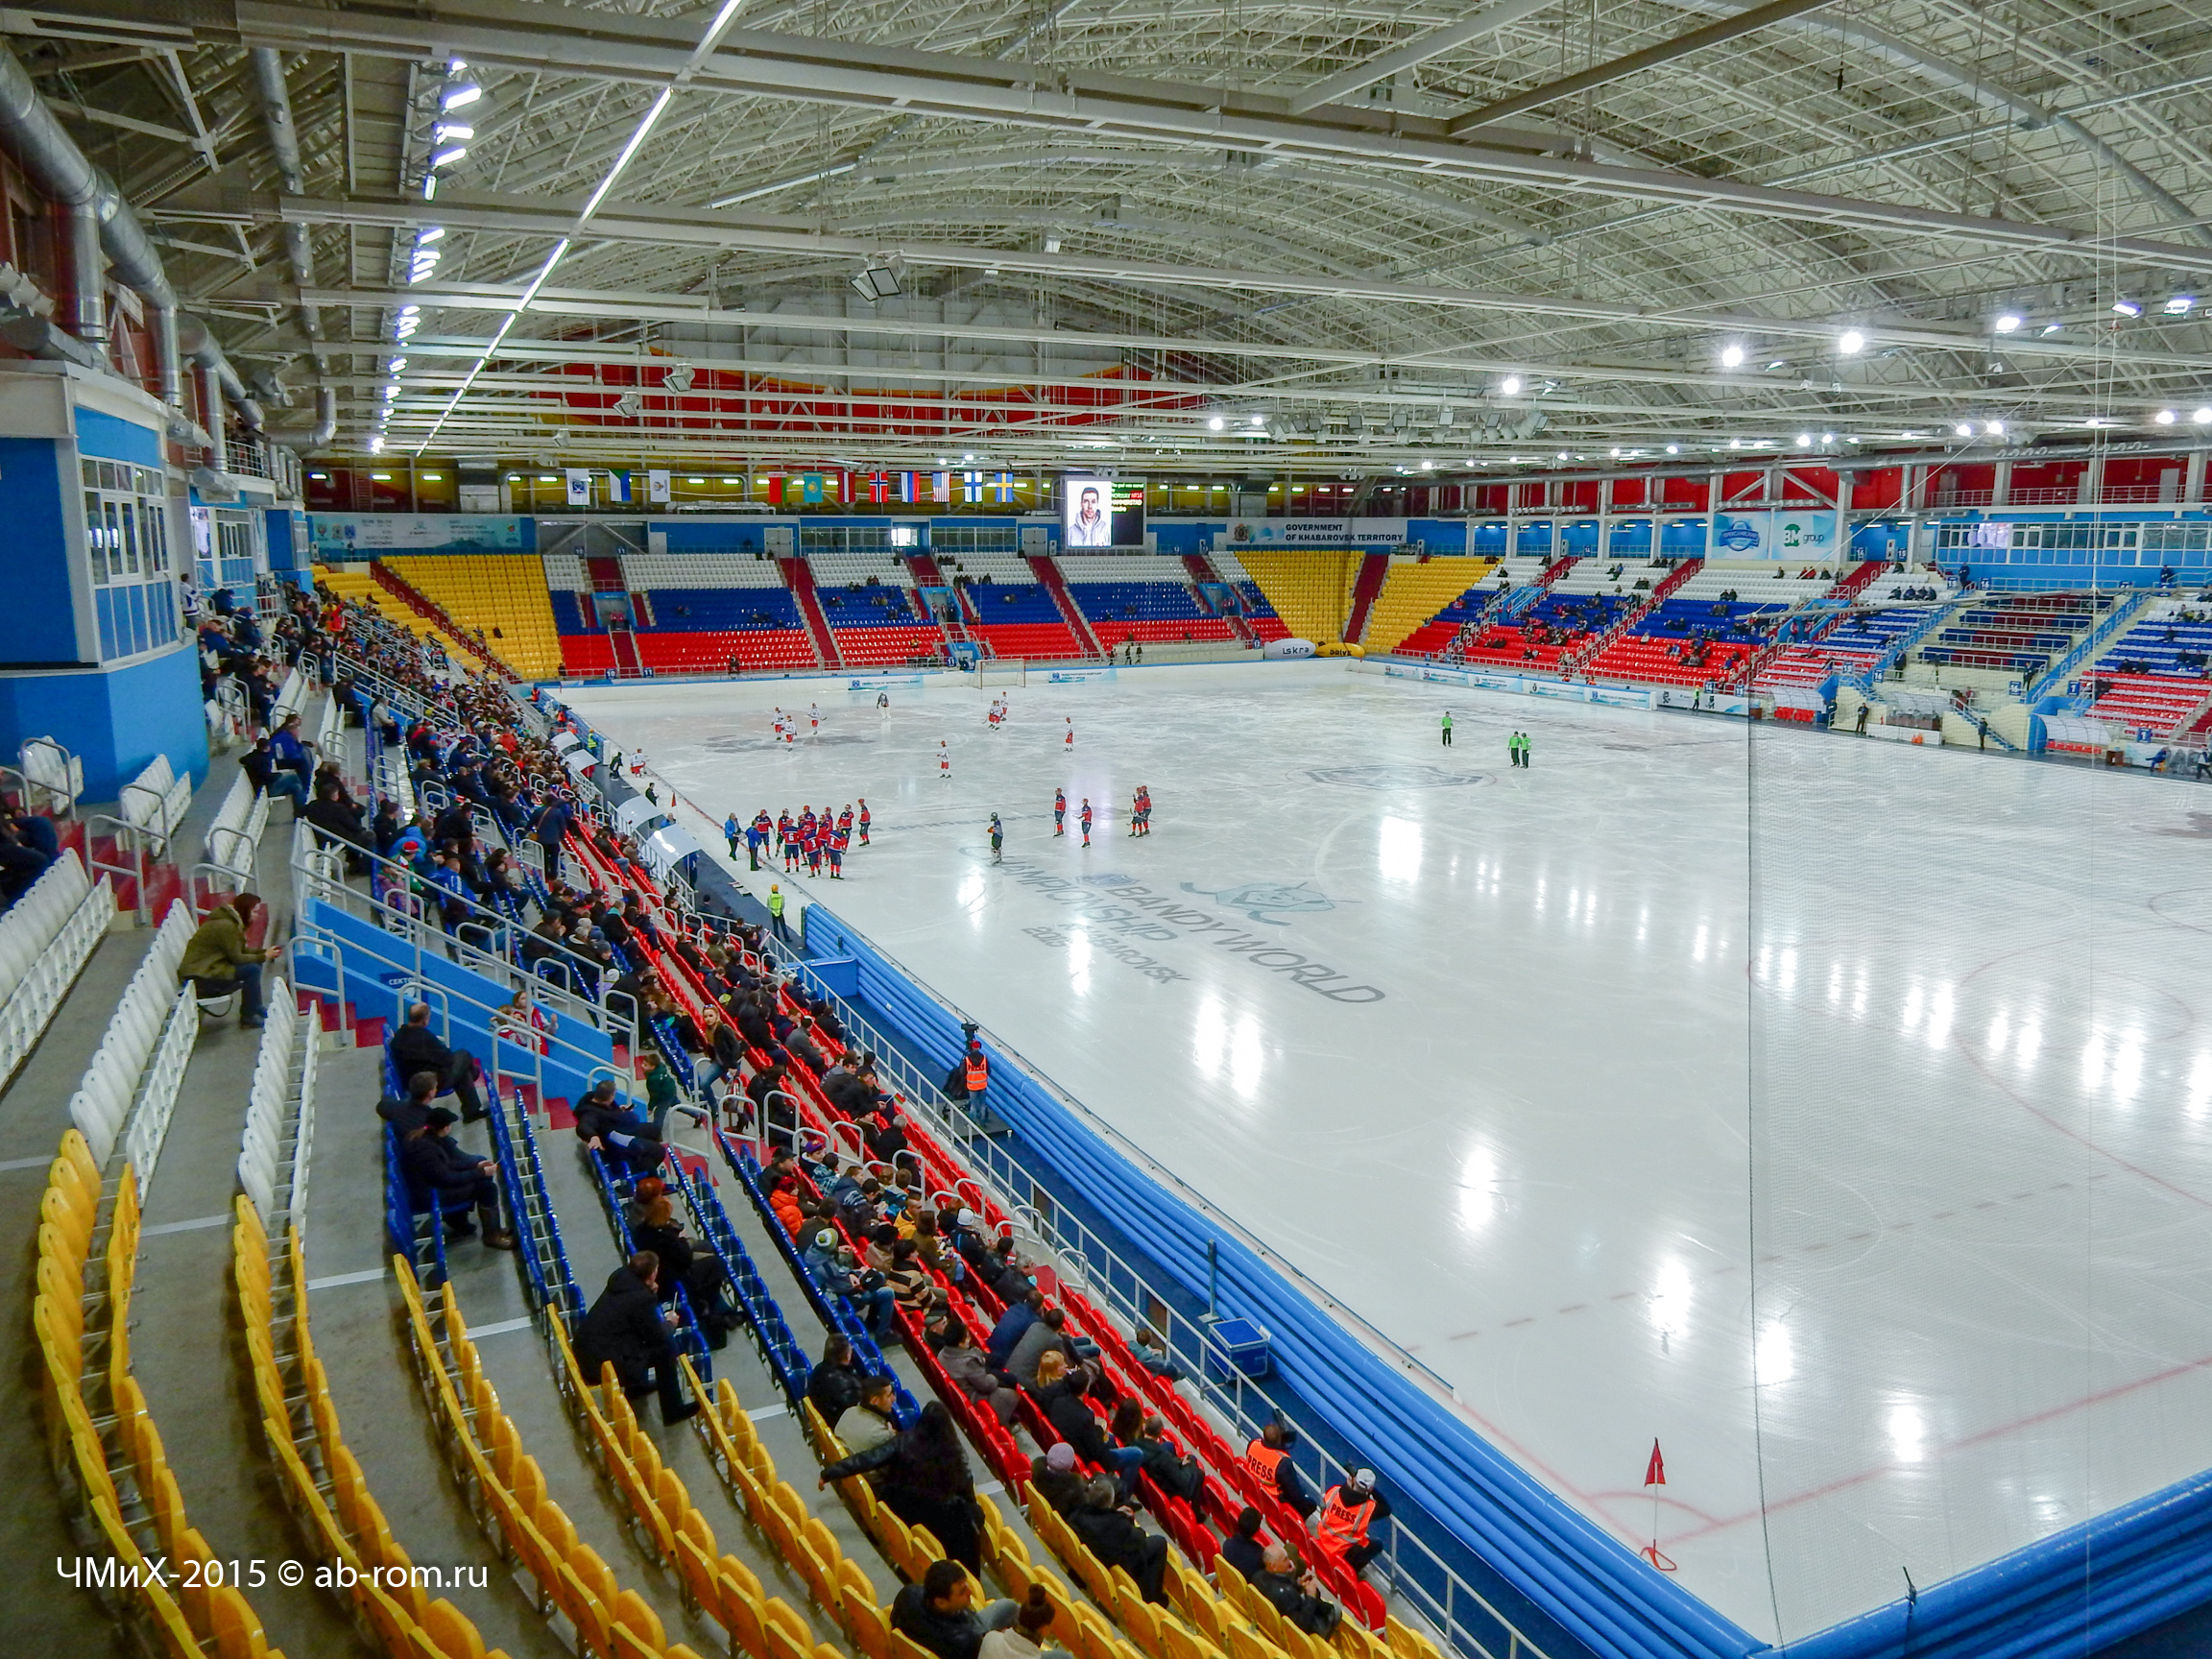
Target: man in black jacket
(1112, 1531)
(341, 823)
(625, 1329)
(1294, 1591)
(444, 1177)
(834, 1386)
(939, 1615)
(415, 1048)
(411, 1111)
(617, 1133)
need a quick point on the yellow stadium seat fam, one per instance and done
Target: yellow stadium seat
(446, 1625)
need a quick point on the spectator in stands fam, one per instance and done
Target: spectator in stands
(783, 1200)
(1151, 1353)
(262, 771)
(962, 1358)
(664, 1095)
(925, 1483)
(1063, 1394)
(1168, 1469)
(871, 1420)
(938, 1614)
(1026, 1639)
(1269, 1459)
(333, 819)
(216, 961)
(1107, 1522)
(1011, 1325)
(837, 1272)
(614, 1129)
(1348, 1511)
(443, 1176)
(773, 1109)
(416, 1047)
(1292, 1591)
(626, 1328)
(409, 1112)
(1044, 1335)
(699, 1272)
(725, 1054)
(1055, 1478)
(35, 831)
(835, 1384)
(1243, 1548)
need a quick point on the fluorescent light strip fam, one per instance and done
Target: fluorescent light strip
(646, 125)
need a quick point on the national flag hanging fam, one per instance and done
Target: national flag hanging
(878, 487)
(971, 487)
(579, 487)
(1655, 1470)
(811, 489)
(941, 487)
(776, 490)
(1004, 488)
(618, 486)
(909, 488)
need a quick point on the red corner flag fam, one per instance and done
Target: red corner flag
(1655, 1470)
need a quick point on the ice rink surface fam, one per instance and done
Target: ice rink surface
(1836, 1112)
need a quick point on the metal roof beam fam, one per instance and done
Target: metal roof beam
(1634, 63)
(701, 229)
(574, 41)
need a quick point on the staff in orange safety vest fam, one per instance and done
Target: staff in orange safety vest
(1269, 1457)
(1347, 1512)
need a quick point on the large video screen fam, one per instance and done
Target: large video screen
(1097, 512)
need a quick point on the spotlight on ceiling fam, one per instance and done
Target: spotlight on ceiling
(1731, 356)
(874, 282)
(2202, 416)
(1511, 386)
(1964, 429)
(1995, 428)
(1850, 343)
(678, 379)
(2164, 417)
(2009, 323)
(2127, 307)
(628, 404)
(2180, 305)
(1215, 424)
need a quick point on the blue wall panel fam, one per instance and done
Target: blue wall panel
(112, 438)
(115, 720)
(37, 624)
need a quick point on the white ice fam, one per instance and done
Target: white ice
(1835, 1113)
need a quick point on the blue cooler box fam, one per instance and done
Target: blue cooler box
(1246, 1346)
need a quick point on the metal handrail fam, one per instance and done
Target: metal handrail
(1068, 1239)
(313, 878)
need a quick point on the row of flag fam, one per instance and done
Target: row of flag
(811, 489)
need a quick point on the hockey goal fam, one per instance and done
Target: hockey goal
(999, 671)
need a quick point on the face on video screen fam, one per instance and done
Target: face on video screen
(1101, 513)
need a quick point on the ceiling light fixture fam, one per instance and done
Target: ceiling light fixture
(459, 97)
(2202, 417)
(1995, 428)
(2180, 305)
(2164, 417)
(1217, 423)
(1964, 429)
(2009, 323)
(1850, 342)
(1732, 357)
(447, 158)
(874, 282)
(2127, 307)
(1511, 386)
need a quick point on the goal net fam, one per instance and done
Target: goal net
(999, 672)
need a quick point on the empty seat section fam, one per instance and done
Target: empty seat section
(1412, 593)
(503, 594)
(2020, 633)
(1309, 591)
(1007, 608)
